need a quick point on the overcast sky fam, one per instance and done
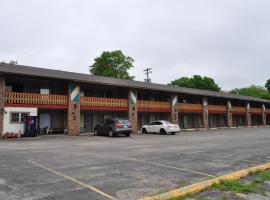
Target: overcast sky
(228, 40)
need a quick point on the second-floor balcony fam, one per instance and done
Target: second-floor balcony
(256, 111)
(190, 108)
(217, 109)
(96, 103)
(33, 99)
(239, 110)
(153, 106)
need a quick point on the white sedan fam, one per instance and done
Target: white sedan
(160, 126)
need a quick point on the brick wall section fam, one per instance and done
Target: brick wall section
(263, 115)
(174, 109)
(205, 113)
(248, 115)
(73, 119)
(132, 110)
(229, 114)
(2, 101)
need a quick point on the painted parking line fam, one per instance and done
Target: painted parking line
(170, 167)
(72, 179)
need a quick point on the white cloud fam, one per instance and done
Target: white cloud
(227, 40)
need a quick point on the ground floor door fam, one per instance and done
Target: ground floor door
(239, 120)
(190, 120)
(45, 121)
(88, 125)
(268, 119)
(89, 119)
(217, 120)
(256, 120)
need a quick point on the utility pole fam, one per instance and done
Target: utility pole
(147, 72)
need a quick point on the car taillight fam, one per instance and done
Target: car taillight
(117, 125)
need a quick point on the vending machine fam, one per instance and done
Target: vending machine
(30, 126)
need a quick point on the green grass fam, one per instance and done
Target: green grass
(262, 176)
(236, 186)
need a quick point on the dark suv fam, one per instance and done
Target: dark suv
(113, 127)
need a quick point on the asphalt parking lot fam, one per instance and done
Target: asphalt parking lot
(93, 168)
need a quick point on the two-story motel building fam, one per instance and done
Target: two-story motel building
(77, 102)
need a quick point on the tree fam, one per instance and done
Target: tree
(198, 82)
(253, 90)
(112, 64)
(267, 85)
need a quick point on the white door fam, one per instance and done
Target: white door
(45, 121)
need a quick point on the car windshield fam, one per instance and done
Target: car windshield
(122, 121)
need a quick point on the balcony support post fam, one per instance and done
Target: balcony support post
(73, 123)
(174, 109)
(263, 115)
(2, 102)
(205, 113)
(229, 114)
(248, 115)
(132, 110)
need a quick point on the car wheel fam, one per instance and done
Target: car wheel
(95, 132)
(173, 133)
(144, 131)
(162, 131)
(127, 134)
(111, 133)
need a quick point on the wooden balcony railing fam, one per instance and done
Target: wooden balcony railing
(256, 110)
(190, 107)
(104, 102)
(217, 109)
(267, 111)
(35, 99)
(239, 110)
(155, 106)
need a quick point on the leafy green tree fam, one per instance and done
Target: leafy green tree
(198, 82)
(112, 64)
(267, 85)
(253, 90)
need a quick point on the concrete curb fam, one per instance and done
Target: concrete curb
(200, 186)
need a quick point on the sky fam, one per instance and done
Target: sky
(228, 40)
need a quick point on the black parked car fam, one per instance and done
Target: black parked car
(113, 127)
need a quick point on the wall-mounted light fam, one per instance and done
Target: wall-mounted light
(2, 109)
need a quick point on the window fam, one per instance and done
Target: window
(109, 121)
(152, 123)
(18, 117)
(8, 88)
(23, 115)
(15, 117)
(44, 91)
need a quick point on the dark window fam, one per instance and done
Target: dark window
(109, 121)
(18, 117)
(152, 123)
(23, 115)
(122, 121)
(15, 117)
